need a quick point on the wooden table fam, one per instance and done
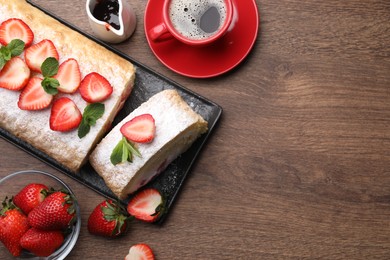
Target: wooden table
(299, 165)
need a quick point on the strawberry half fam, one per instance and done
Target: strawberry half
(36, 54)
(13, 224)
(33, 96)
(56, 212)
(95, 88)
(65, 115)
(147, 205)
(69, 76)
(15, 28)
(15, 74)
(140, 129)
(108, 219)
(30, 196)
(41, 242)
(140, 252)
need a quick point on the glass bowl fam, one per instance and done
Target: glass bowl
(13, 183)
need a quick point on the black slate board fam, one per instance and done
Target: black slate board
(147, 84)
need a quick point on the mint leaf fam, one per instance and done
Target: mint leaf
(5, 53)
(16, 47)
(91, 114)
(132, 148)
(126, 155)
(2, 62)
(50, 85)
(50, 67)
(124, 151)
(116, 155)
(84, 128)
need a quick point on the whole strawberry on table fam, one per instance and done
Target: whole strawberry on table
(37, 219)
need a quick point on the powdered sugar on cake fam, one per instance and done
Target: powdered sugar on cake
(69, 44)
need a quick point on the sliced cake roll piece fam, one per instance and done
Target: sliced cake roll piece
(144, 143)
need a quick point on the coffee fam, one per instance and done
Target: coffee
(197, 19)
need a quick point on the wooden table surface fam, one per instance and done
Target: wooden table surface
(299, 164)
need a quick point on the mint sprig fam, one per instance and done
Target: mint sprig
(91, 114)
(14, 48)
(49, 69)
(124, 151)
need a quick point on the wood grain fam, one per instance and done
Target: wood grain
(299, 165)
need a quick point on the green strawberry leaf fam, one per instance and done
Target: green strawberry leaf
(91, 114)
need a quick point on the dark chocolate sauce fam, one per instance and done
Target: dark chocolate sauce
(107, 11)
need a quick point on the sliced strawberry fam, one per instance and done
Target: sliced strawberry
(69, 76)
(95, 88)
(36, 54)
(15, 28)
(33, 96)
(140, 129)
(65, 115)
(140, 252)
(147, 205)
(15, 74)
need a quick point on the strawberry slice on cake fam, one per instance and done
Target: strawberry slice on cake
(15, 74)
(36, 54)
(33, 96)
(68, 76)
(95, 88)
(65, 115)
(15, 28)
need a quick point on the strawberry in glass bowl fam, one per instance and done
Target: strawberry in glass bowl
(39, 216)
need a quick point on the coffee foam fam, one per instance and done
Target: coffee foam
(185, 16)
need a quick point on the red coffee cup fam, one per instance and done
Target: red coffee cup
(193, 22)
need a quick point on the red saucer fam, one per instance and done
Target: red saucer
(209, 61)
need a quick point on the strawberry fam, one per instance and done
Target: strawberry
(33, 96)
(69, 76)
(140, 252)
(36, 54)
(13, 224)
(108, 219)
(30, 196)
(15, 28)
(140, 129)
(95, 88)
(15, 74)
(41, 242)
(56, 212)
(65, 115)
(146, 205)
